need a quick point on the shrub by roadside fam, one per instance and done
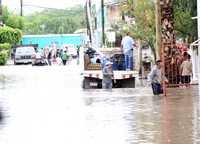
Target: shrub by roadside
(4, 53)
(8, 37)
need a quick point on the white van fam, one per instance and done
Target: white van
(23, 55)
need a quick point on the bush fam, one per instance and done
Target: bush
(4, 53)
(3, 56)
(5, 46)
(10, 35)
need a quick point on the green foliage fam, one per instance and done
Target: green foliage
(10, 35)
(5, 46)
(11, 19)
(5, 14)
(3, 56)
(185, 27)
(4, 52)
(143, 27)
(55, 21)
(143, 13)
(15, 21)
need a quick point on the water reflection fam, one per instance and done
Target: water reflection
(151, 119)
(47, 105)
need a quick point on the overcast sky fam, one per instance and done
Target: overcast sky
(14, 5)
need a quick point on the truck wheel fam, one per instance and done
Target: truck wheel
(15, 63)
(128, 83)
(86, 83)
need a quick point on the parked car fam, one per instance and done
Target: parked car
(23, 55)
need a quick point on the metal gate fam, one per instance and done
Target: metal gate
(169, 52)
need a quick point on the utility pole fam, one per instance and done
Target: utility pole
(158, 29)
(1, 13)
(0, 8)
(198, 17)
(21, 7)
(103, 22)
(198, 23)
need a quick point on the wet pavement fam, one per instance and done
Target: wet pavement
(46, 105)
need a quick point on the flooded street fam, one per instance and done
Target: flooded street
(46, 105)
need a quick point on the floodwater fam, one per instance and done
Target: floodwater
(46, 105)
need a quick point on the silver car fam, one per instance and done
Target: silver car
(23, 55)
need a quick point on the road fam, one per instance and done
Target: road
(46, 105)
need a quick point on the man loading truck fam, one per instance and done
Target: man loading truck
(127, 46)
(93, 74)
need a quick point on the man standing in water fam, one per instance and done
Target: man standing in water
(157, 78)
(107, 75)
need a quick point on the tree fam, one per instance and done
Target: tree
(143, 14)
(55, 21)
(8, 37)
(143, 26)
(11, 19)
(185, 27)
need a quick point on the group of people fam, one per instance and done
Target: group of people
(186, 69)
(55, 56)
(157, 76)
(127, 47)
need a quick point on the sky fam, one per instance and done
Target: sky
(14, 5)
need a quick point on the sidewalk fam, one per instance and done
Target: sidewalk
(10, 62)
(192, 91)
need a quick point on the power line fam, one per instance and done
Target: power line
(37, 6)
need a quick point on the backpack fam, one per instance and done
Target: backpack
(65, 56)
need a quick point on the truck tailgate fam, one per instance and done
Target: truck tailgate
(117, 74)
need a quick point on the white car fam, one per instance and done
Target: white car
(23, 55)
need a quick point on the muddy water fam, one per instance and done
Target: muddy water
(47, 105)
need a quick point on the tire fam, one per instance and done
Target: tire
(128, 83)
(15, 63)
(86, 83)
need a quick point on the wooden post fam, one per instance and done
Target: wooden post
(158, 29)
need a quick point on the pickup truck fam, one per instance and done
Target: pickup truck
(92, 71)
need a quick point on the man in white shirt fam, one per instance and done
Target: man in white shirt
(127, 46)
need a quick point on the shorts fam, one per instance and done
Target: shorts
(185, 79)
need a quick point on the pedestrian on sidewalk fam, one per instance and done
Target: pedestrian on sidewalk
(107, 75)
(157, 78)
(65, 57)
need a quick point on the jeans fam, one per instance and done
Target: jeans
(157, 88)
(107, 85)
(129, 62)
